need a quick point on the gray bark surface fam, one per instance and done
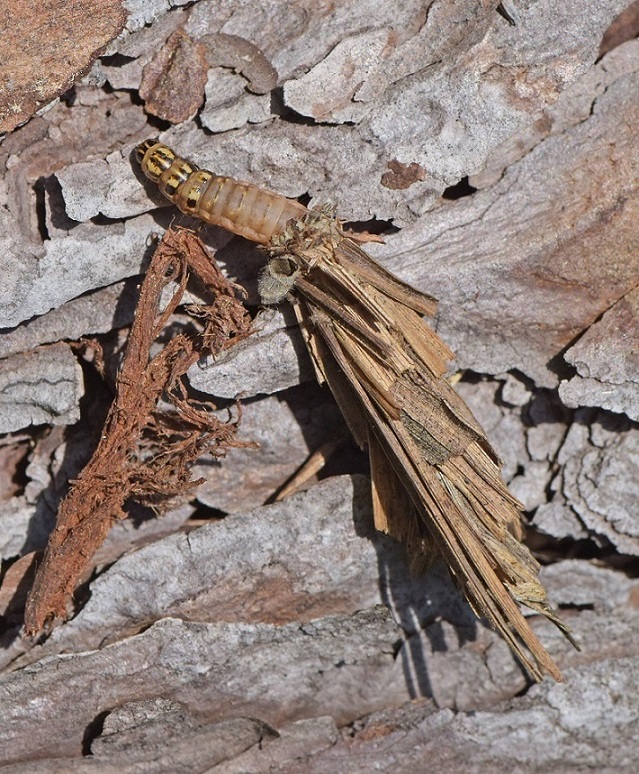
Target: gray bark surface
(234, 633)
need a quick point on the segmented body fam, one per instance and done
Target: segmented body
(243, 208)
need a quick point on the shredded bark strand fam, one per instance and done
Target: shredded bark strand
(144, 453)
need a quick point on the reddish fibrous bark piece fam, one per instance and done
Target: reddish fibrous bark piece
(144, 454)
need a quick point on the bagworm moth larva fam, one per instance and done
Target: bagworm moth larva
(243, 208)
(436, 480)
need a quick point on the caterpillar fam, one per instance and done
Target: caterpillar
(436, 482)
(242, 208)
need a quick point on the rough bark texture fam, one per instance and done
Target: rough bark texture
(499, 163)
(45, 47)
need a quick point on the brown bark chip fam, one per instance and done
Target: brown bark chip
(45, 47)
(144, 454)
(244, 57)
(401, 176)
(173, 82)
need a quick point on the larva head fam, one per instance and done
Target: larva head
(154, 158)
